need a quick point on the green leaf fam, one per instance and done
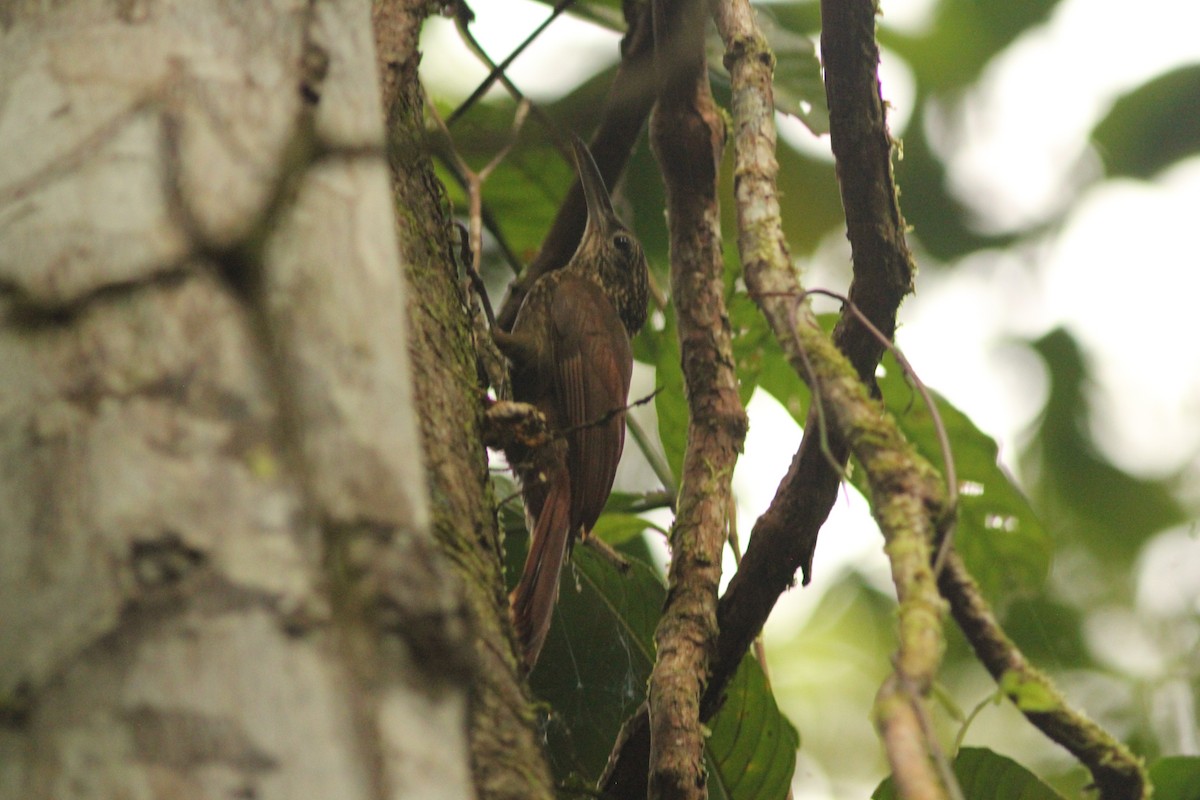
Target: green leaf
(1090, 501)
(661, 348)
(1028, 695)
(752, 746)
(754, 345)
(963, 38)
(986, 775)
(778, 378)
(799, 89)
(998, 534)
(1153, 126)
(593, 669)
(596, 663)
(618, 528)
(1176, 778)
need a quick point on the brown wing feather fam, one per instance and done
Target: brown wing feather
(593, 364)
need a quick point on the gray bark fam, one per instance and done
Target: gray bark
(217, 576)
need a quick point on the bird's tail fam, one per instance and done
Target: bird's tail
(533, 600)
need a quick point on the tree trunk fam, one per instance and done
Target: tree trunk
(218, 569)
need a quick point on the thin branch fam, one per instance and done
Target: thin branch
(905, 490)
(658, 462)
(946, 529)
(556, 134)
(511, 424)
(499, 69)
(1116, 772)
(475, 180)
(605, 417)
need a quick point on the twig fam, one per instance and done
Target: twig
(604, 418)
(946, 528)
(499, 69)
(656, 460)
(474, 184)
(1116, 772)
(556, 135)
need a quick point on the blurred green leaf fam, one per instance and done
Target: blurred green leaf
(1049, 631)
(593, 669)
(950, 52)
(597, 660)
(1029, 695)
(998, 534)
(1086, 499)
(752, 746)
(618, 528)
(1153, 126)
(963, 37)
(1176, 778)
(986, 775)
(778, 377)
(753, 343)
(813, 205)
(942, 227)
(661, 349)
(799, 89)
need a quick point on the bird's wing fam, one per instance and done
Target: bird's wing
(592, 367)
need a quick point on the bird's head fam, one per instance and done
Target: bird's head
(608, 250)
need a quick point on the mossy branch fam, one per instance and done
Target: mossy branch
(906, 492)
(1116, 772)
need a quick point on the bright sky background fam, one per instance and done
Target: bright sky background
(1019, 153)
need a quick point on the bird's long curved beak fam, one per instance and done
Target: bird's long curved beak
(599, 204)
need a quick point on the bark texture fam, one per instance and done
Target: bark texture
(506, 754)
(688, 135)
(218, 572)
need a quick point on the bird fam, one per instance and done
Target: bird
(571, 358)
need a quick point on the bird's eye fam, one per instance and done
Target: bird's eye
(624, 244)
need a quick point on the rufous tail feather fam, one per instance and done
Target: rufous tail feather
(533, 600)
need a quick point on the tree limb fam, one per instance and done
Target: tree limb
(784, 537)
(687, 134)
(906, 495)
(1117, 773)
(507, 758)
